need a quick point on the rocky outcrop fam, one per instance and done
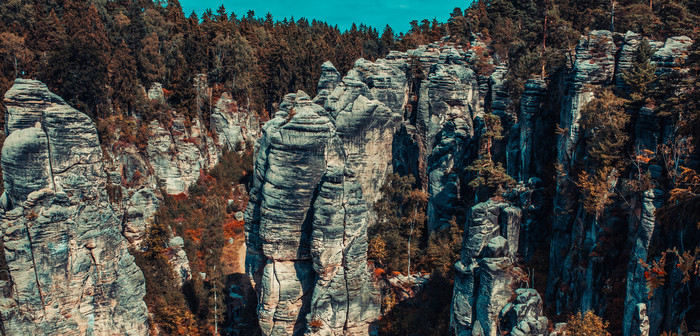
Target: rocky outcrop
(485, 276)
(421, 112)
(25, 162)
(594, 64)
(236, 128)
(178, 154)
(70, 271)
(533, 120)
(448, 107)
(581, 242)
(367, 106)
(321, 165)
(524, 315)
(156, 93)
(330, 77)
(306, 227)
(486, 298)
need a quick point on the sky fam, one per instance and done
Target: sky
(374, 13)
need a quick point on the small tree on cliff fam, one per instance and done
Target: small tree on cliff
(604, 121)
(640, 75)
(489, 174)
(394, 240)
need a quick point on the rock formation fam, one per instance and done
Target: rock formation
(60, 190)
(306, 226)
(320, 166)
(70, 271)
(71, 208)
(421, 113)
(578, 238)
(236, 128)
(486, 278)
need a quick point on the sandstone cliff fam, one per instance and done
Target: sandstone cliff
(421, 113)
(69, 268)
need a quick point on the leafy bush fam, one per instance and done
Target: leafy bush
(605, 120)
(588, 324)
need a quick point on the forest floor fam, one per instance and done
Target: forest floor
(233, 256)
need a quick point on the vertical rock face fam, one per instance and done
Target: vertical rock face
(322, 162)
(636, 285)
(594, 64)
(533, 121)
(69, 266)
(177, 155)
(486, 298)
(306, 229)
(25, 159)
(366, 107)
(448, 109)
(482, 285)
(236, 128)
(579, 276)
(320, 166)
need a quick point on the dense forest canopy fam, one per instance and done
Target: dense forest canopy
(101, 55)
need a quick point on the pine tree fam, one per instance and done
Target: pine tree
(79, 69)
(640, 75)
(396, 239)
(605, 120)
(489, 174)
(150, 61)
(387, 41)
(124, 80)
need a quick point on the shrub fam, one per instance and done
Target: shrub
(588, 324)
(605, 120)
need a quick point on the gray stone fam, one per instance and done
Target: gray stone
(236, 128)
(71, 270)
(25, 164)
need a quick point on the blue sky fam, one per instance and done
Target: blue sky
(375, 13)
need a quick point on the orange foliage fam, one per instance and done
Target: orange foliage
(205, 178)
(315, 324)
(180, 196)
(645, 156)
(379, 272)
(190, 140)
(233, 228)
(194, 235)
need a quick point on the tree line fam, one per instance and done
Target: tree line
(102, 55)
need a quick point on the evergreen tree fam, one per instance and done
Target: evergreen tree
(387, 41)
(150, 60)
(640, 75)
(126, 92)
(396, 238)
(79, 70)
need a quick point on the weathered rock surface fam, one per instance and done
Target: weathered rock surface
(321, 165)
(485, 276)
(179, 154)
(68, 261)
(306, 226)
(581, 242)
(524, 315)
(236, 128)
(25, 163)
